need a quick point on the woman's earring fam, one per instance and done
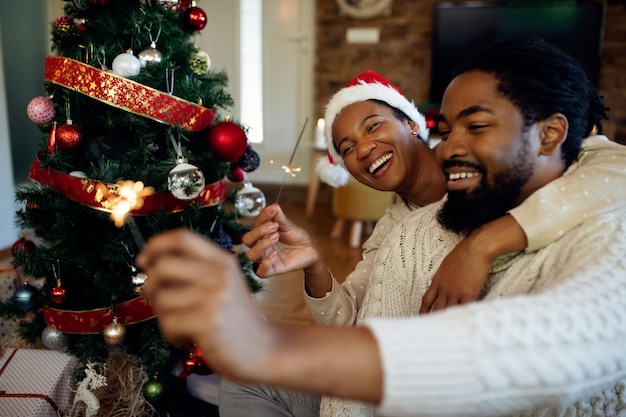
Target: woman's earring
(414, 132)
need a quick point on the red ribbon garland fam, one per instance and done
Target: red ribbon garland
(100, 196)
(95, 321)
(126, 94)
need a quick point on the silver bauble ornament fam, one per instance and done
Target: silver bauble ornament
(54, 339)
(115, 333)
(250, 201)
(126, 64)
(149, 56)
(138, 279)
(185, 181)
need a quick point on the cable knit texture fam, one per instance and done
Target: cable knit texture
(568, 339)
(341, 304)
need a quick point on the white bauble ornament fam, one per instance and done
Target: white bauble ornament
(126, 64)
(250, 201)
(185, 181)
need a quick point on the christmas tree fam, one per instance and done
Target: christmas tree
(135, 140)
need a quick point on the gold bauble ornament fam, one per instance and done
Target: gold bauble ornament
(115, 333)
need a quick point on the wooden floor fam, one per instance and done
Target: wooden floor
(281, 299)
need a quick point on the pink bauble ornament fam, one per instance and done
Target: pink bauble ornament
(40, 110)
(68, 137)
(194, 18)
(228, 141)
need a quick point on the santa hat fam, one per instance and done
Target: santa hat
(366, 86)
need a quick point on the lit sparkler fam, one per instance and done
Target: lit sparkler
(289, 170)
(129, 197)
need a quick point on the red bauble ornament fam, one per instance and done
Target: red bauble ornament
(40, 110)
(57, 294)
(190, 364)
(68, 137)
(63, 24)
(237, 174)
(228, 141)
(22, 245)
(100, 2)
(194, 18)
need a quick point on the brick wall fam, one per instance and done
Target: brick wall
(403, 53)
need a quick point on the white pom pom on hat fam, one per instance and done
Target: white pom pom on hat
(368, 85)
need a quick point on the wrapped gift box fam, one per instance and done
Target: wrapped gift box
(35, 382)
(8, 282)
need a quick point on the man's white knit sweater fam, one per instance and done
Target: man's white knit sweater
(569, 359)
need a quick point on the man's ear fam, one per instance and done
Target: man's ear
(553, 133)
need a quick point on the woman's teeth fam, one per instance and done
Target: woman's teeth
(379, 162)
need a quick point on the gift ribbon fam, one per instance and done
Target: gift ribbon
(102, 196)
(3, 393)
(126, 94)
(132, 311)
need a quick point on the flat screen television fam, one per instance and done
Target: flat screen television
(460, 29)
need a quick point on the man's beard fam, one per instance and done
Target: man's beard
(465, 211)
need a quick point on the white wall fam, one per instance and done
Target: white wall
(8, 231)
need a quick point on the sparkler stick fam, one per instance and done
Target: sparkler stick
(287, 168)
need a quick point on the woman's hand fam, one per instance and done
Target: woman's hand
(278, 245)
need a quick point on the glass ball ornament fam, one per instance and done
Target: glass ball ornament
(68, 137)
(115, 333)
(153, 390)
(250, 160)
(149, 56)
(126, 64)
(54, 339)
(185, 181)
(249, 201)
(24, 297)
(236, 174)
(22, 245)
(200, 63)
(228, 141)
(40, 110)
(194, 19)
(58, 294)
